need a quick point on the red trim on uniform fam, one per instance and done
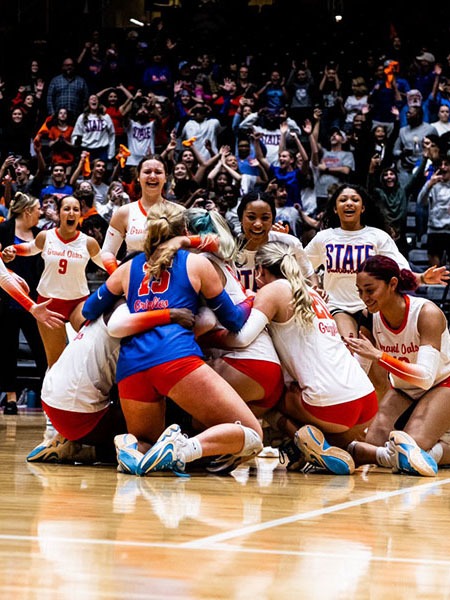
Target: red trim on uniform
(268, 374)
(67, 241)
(73, 425)
(153, 384)
(349, 414)
(405, 318)
(63, 307)
(141, 208)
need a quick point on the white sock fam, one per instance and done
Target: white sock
(192, 449)
(50, 431)
(436, 452)
(383, 457)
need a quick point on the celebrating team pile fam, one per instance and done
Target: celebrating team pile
(355, 373)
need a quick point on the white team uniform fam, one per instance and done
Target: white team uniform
(262, 346)
(318, 360)
(341, 252)
(404, 344)
(64, 275)
(246, 259)
(136, 227)
(82, 377)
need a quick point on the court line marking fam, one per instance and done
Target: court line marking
(222, 547)
(228, 535)
(213, 542)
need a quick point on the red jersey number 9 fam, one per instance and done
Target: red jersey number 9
(62, 267)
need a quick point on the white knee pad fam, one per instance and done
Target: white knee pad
(252, 442)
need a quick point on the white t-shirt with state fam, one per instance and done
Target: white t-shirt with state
(341, 252)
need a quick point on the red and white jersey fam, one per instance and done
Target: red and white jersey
(262, 346)
(341, 253)
(317, 358)
(403, 343)
(136, 227)
(82, 377)
(64, 275)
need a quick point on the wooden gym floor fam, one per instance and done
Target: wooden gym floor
(262, 533)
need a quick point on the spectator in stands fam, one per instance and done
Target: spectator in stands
(57, 132)
(90, 65)
(96, 178)
(336, 164)
(94, 131)
(67, 90)
(201, 127)
(117, 110)
(302, 91)
(58, 183)
(273, 94)
(408, 146)
(436, 194)
(442, 125)
(158, 77)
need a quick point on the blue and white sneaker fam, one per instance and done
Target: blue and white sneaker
(57, 450)
(319, 453)
(409, 458)
(128, 455)
(166, 454)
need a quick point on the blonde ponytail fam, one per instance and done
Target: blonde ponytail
(279, 259)
(164, 221)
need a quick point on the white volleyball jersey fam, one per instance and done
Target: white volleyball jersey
(82, 377)
(341, 252)
(64, 275)
(246, 259)
(317, 358)
(262, 347)
(136, 227)
(403, 343)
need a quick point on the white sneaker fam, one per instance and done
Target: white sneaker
(409, 457)
(128, 455)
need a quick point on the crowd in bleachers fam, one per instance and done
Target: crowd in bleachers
(144, 95)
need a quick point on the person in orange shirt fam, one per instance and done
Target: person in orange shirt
(57, 130)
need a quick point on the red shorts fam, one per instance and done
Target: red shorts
(445, 383)
(64, 307)
(349, 414)
(73, 425)
(155, 383)
(268, 374)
